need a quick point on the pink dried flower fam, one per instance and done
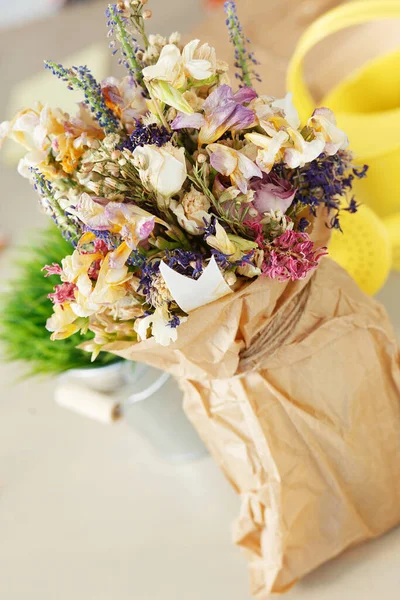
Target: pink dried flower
(94, 269)
(257, 229)
(65, 292)
(291, 256)
(100, 246)
(53, 269)
(272, 193)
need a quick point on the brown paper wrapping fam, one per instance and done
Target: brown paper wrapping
(310, 439)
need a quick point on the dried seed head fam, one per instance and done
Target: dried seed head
(98, 168)
(201, 158)
(115, 154)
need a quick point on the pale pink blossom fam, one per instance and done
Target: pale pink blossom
(234, 164)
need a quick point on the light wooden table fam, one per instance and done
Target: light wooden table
(87, 511)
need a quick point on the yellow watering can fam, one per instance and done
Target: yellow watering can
(367, 107)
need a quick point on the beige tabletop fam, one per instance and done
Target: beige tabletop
(87, 511)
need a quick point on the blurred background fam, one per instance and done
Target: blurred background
(89, 511)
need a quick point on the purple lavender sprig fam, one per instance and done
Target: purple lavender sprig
(243, 56)
(65, 222)
(185, 262)
(143, 135)
(174, 322)
(119, 29)
(80, 78)
(327, 180)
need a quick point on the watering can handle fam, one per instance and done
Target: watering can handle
(346, 15)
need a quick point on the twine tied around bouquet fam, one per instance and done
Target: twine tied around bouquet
(275, 333)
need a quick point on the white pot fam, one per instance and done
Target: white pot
(106, 379)
(155, 410)
(149, 400)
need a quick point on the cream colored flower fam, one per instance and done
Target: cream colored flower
(274, 114)
(90, 212)
(133, 223)
(200, 62)
(155, 39)
(175, 38)
(175, 68)
(270, 149)
(125, 98)
(248, 270)
(30, 128)
(161, 169)
(301, 151)
(233, 164)
(192, 211)
(323, 122)
(156, 44)
(76, 266)
(63, 322)
(169, 67)
(233, 246)
(110, 286)
(113, 275)
(160, 328)
(126, 309)
(220, 241)
(42, 130)
(31, 160)
(286, 108)
(169, 77)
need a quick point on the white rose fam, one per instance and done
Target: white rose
(162, 169)
(192, 212)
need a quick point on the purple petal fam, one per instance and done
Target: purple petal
(217, 123)
(223, 161)
(221, 95)
(245, 95)
(240, 118)
(194, 121)
(223, 112)
(146, 228)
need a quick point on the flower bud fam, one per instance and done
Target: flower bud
(201, 158)
(147, 14)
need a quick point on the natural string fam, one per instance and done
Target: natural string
(275, 333)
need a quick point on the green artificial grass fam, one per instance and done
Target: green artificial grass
(25, 308)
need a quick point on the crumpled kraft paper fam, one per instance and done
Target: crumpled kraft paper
(310, 437)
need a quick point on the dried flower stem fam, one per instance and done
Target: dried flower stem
(128, 51)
